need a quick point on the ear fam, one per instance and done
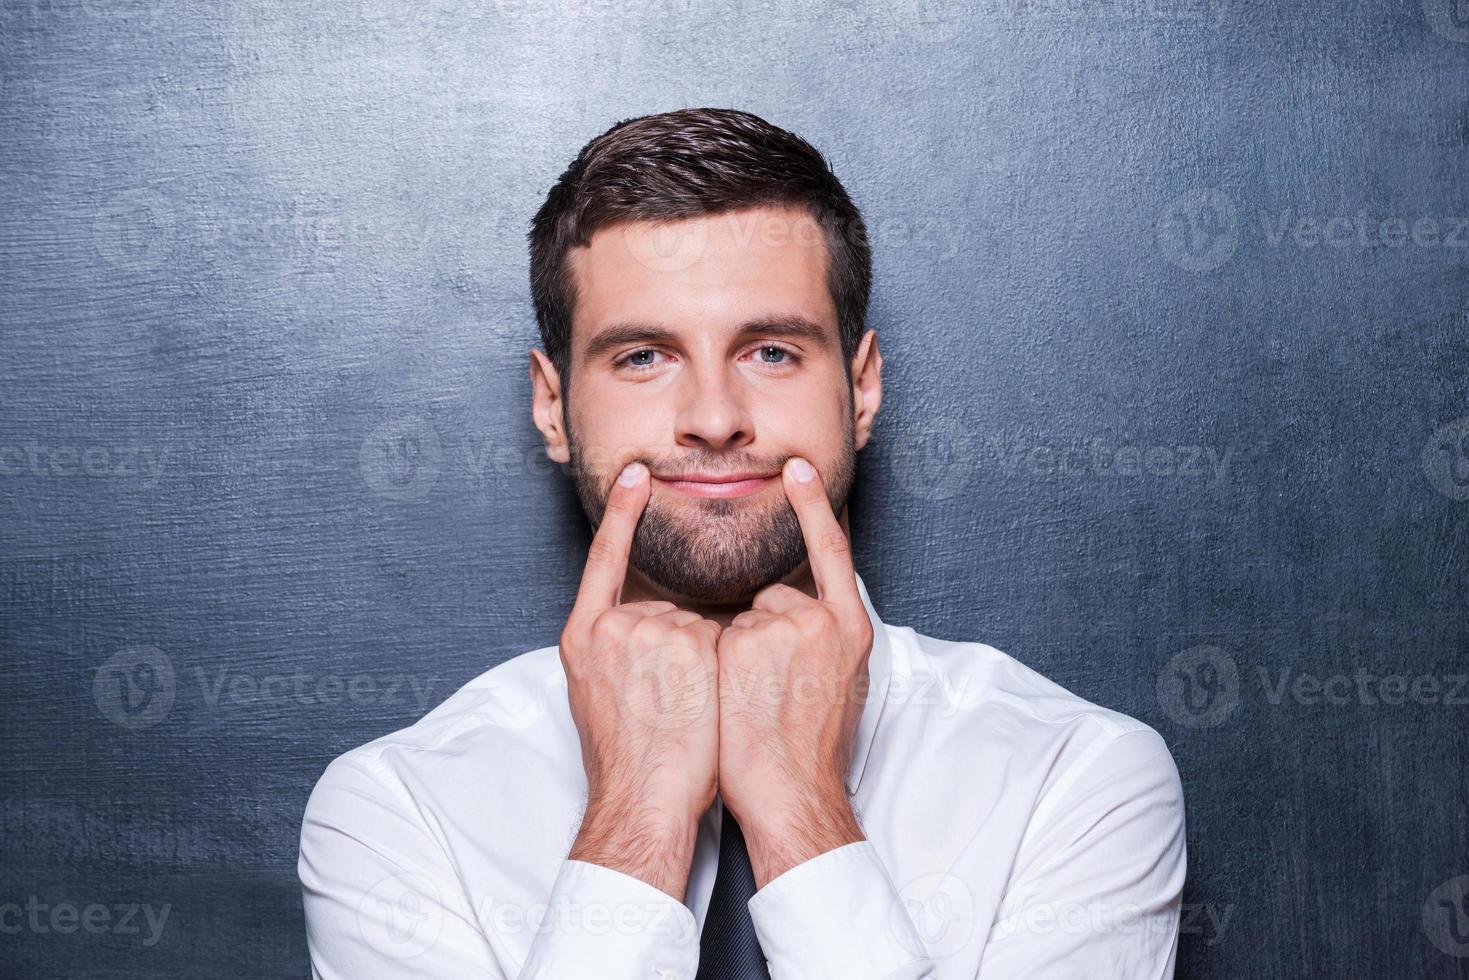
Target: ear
(866, 386)
(548, 407)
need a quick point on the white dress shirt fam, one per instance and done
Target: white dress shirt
(1013, 830)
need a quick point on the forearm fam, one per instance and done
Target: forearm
(618, 897)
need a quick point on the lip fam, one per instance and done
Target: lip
(719, 485)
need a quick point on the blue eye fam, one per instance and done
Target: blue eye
(780, 351)
(638, 360)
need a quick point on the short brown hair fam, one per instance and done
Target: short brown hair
(684, 164)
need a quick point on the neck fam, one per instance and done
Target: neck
(637, 587)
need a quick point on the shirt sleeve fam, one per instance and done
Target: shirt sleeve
(1097, 885)
(380, 897)
(382, 900)
(837, 915)
(603, 923)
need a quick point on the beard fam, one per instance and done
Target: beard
(715, 551)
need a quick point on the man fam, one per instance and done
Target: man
(729, 766)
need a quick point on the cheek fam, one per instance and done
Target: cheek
(812, 430)
(619, 428)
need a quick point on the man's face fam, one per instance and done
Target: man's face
(708, 349)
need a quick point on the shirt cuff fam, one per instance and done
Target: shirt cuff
(838, 915)
(603, 923)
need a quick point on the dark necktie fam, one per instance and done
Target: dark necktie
(728, 949)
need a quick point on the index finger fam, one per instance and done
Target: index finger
(826, 543)
(601, 580)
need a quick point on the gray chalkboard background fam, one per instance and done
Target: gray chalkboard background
(1174, 296)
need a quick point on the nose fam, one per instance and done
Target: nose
(713, 413)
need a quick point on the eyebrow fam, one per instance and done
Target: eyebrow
(791, 325)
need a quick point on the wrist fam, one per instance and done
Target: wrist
(620, 803)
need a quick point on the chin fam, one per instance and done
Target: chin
(728, 591)
(720, 558)
(693, 574)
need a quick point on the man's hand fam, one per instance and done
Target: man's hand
(641, 681)
(792, 685)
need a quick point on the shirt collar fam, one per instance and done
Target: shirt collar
(879, 671)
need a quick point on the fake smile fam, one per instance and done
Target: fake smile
(720, 486)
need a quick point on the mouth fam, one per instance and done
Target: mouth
(717, 485)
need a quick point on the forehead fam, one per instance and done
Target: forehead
(709, 272)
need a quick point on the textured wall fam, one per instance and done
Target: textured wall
(1173, 300)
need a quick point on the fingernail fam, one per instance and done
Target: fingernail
(632, 474)
(801, 470)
